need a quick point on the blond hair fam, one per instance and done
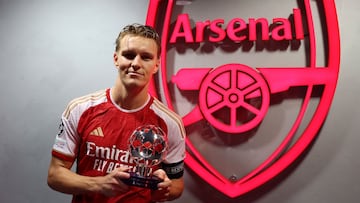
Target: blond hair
(139, 30)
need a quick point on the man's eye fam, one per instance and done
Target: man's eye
(146, 57)
(129, 56)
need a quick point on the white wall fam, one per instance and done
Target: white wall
(53, 51)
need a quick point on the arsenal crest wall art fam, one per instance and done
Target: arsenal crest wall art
(253, 85)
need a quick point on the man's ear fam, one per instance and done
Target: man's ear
(116, 57)
(157, 66)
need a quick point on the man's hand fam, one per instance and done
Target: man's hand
(112, 185)
(163, 192)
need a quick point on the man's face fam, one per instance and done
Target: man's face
(136, 60)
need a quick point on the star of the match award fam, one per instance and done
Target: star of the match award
(147, 147)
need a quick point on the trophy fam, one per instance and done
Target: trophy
(147, 147)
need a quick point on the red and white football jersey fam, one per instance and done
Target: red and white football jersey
(94, 131)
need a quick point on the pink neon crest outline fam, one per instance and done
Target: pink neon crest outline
(267, 77)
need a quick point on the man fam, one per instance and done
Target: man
(95, 129)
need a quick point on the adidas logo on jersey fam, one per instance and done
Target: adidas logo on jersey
(97, 132)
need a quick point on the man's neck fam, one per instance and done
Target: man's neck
(129, 99)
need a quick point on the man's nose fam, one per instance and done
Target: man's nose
(135, 63)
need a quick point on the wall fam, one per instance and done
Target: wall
(53, 51)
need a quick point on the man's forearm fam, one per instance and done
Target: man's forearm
(66, 181)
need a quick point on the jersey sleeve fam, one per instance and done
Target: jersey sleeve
(175, 132)
(176, 142)
(66, 141)
(174, 161)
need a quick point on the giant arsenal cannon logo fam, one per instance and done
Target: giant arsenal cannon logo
(231, 100)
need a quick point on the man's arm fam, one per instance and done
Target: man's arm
(62, 179)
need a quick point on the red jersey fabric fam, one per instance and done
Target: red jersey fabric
(94, 132)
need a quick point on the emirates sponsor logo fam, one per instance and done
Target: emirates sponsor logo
(108, 158)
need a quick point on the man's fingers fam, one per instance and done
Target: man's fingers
(121, 173)
(160, 173)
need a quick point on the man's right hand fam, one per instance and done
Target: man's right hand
(112, 185)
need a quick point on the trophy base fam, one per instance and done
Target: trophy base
(142, 181)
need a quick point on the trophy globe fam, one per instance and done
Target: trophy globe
(147, 147)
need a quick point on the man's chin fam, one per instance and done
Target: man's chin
(134, 84)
